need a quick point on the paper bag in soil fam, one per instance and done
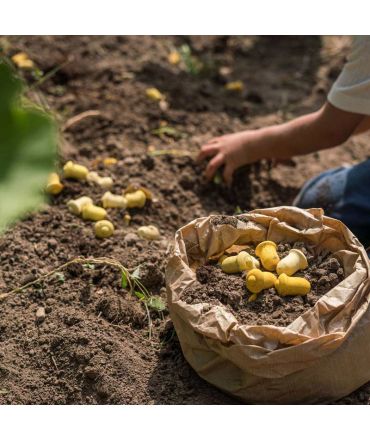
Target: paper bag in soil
(321, 356)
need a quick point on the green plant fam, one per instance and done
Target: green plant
(28, 139)
(217, 179)
(130, 281)
(59, 276)
(140, 291)
(192, 64)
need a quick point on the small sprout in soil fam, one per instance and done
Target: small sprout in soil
(286, 285)
(124, 281)
(150, 232)
(76, 206)
(217, 179)
(268, 255)
(110, 200)
(192, 64)
(103, 229)
(139, 295)
(103, 182)
(238, 211)
(94, 213)
(292, 263)
(75, 171)
(89, 266)
(154, 94)
(60, 277)
(156, 303)
(134, 284)
(54, 186)
(234, 86)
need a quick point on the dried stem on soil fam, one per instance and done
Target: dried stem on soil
(100, 260)
(78, 118)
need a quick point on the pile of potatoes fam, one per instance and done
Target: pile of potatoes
(257, 280)
(84, 207)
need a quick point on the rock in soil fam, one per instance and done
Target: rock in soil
(40, 315)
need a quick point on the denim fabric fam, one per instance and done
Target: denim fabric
(344, 194)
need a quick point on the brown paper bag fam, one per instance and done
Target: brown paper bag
(321, 356)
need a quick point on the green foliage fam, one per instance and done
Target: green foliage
(89, 266)
(140, 295)
(192, 64)
(217, 179)
(27, 151)
(238, 210)
(156, 303)
(124, 280)
(141, 292)
(59, 276)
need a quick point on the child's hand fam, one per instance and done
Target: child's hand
(231, 150)
(316, 131)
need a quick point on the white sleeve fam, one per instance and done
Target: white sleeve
(351, 91)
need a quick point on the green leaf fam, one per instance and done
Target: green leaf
(192, 64)
(217, 179)
(27, 151)
(88, 266)
(156, 303)
(140, 295)
(60, 277)
(238, 210)
(4, 391)
(124, 281)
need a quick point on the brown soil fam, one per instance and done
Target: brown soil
(92, 345)
(215, 287)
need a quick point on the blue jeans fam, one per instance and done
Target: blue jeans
(344, 194)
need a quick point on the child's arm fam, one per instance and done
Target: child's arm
(323, 129)
(363, 126)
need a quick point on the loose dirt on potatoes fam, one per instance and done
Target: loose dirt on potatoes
(215, 287)
(92, 346)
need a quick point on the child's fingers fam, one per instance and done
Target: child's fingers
(206, 151)
(214, 165)
(212, 141)
(228, 174)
